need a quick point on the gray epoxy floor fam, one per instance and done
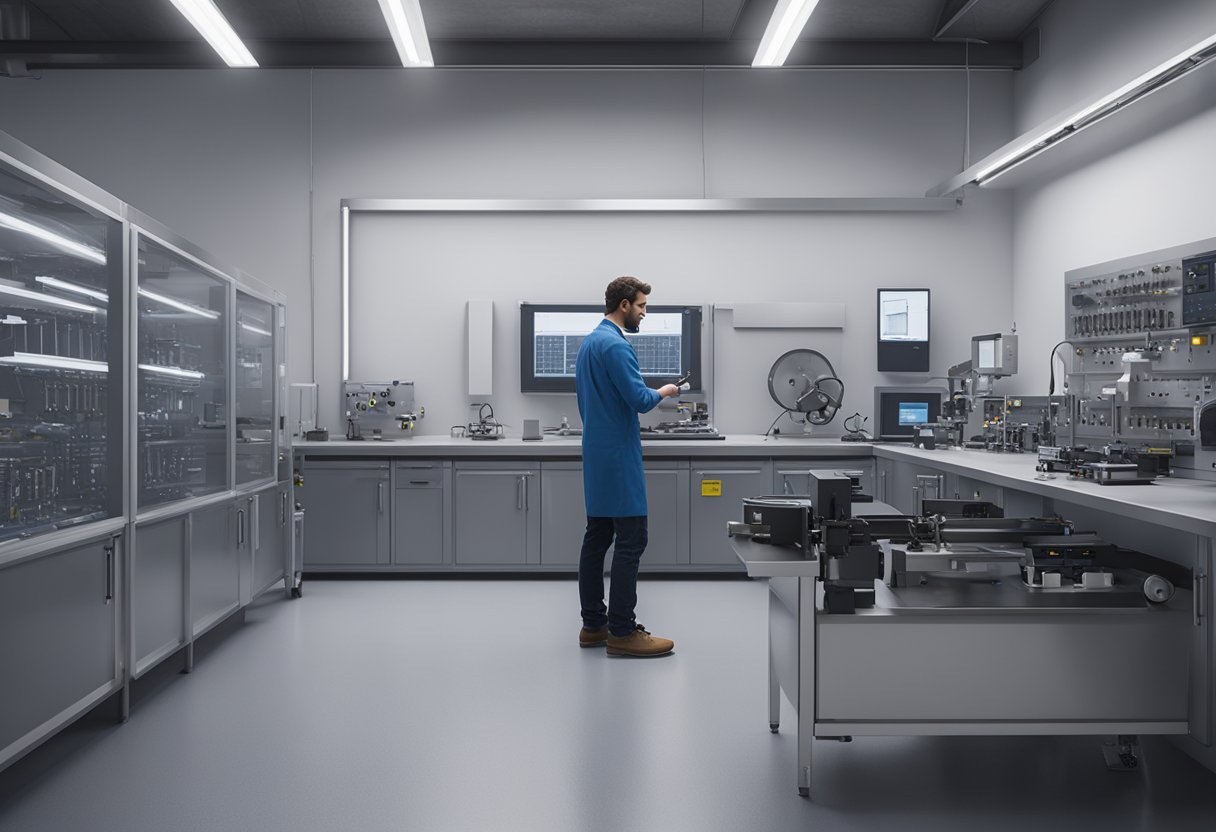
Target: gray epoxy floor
(466, 705)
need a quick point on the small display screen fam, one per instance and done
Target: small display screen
(988, 353)
(913, 413)
(903, 315)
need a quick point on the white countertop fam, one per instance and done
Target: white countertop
(1188, 505)
(570, 447)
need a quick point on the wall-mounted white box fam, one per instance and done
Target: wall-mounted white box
(480, 320)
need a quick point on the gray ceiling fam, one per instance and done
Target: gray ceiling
(520, 32)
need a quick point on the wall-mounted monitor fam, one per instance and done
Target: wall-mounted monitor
(668, 344)
(898, 410)
(903, 330)
(994, 355)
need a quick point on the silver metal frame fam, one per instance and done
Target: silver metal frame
(769, 205)
(276, 308)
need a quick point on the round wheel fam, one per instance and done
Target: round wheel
(803, 791)
(772, 726)
(296, 592)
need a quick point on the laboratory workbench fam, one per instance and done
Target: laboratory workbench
(569, 447)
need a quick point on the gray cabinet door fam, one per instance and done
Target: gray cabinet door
(418, 513)
(667, 500)
(158, 591)
(57, 637)
(215, 566)
(908, 483)
(717, 490)
(268, 534)
(497, 515)
(346, 515)
(422, 513)
(563, 513)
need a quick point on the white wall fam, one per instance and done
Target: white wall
(238, 161)
(1141, 185)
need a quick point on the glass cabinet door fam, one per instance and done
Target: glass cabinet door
(60, 360)
(255, 389)
(182, 377)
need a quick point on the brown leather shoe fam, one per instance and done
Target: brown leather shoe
(592, 638)
(639, 644)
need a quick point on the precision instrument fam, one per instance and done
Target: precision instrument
(380, 410)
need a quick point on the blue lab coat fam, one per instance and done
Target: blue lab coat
(611, 394)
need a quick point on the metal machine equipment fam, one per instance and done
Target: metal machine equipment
(960, 621)
(379, 409)
(1142, 364)
(803, 382)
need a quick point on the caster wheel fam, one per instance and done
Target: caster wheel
(296, 592)
(803, 791)
(773, 726)
(1129, 760)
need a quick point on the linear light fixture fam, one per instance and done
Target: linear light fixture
(55, 362)
(43, 297)
(255, 330)
(784, 27)
(1059, 129)
(212, 25)
(177, 304)
(175, 372)
(404, 19)
(76, 288)
(59, 241)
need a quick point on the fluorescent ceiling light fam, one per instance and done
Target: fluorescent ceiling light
(255, 330)
(176, 372)
(65, 286)
(404, 19)
(211, 24)
(43, 297)
(55, 362)
(1140, 86)
(177, 304)
(59, 241)
(784, 27)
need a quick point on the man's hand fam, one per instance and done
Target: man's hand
(668, 391)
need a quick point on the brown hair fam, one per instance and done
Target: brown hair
(623, 288)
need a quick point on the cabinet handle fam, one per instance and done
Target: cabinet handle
(519, 494)
(1197, 601)
(282, 508)
(380, 498)
(527, 507)
(109, 550)
(420, 482)
(255, 522)
(240, 527)
(785, 484)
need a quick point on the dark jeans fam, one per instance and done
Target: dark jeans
(630, 534)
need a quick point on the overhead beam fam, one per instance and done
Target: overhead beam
(464, 53)
(952, 12)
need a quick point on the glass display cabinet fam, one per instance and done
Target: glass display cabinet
(61, 370)
(256, 363)
(182, 372)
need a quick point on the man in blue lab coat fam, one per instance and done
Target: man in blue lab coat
(611, 394)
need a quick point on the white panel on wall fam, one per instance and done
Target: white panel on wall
(788, 315)
(480, 319)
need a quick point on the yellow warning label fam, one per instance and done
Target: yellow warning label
(711, 488)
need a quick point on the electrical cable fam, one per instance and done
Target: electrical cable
(1051, 389)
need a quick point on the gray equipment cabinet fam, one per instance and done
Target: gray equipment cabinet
(793, 476)
(422, 513)
(348, 504)
(59, 617)
(497, 513)
(564, 514)
(717, 489)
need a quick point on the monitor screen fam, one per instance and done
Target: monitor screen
(901, 409)
(668, 344)
(987, 351)
(903, 330)
(903, 315)
(913, 413)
